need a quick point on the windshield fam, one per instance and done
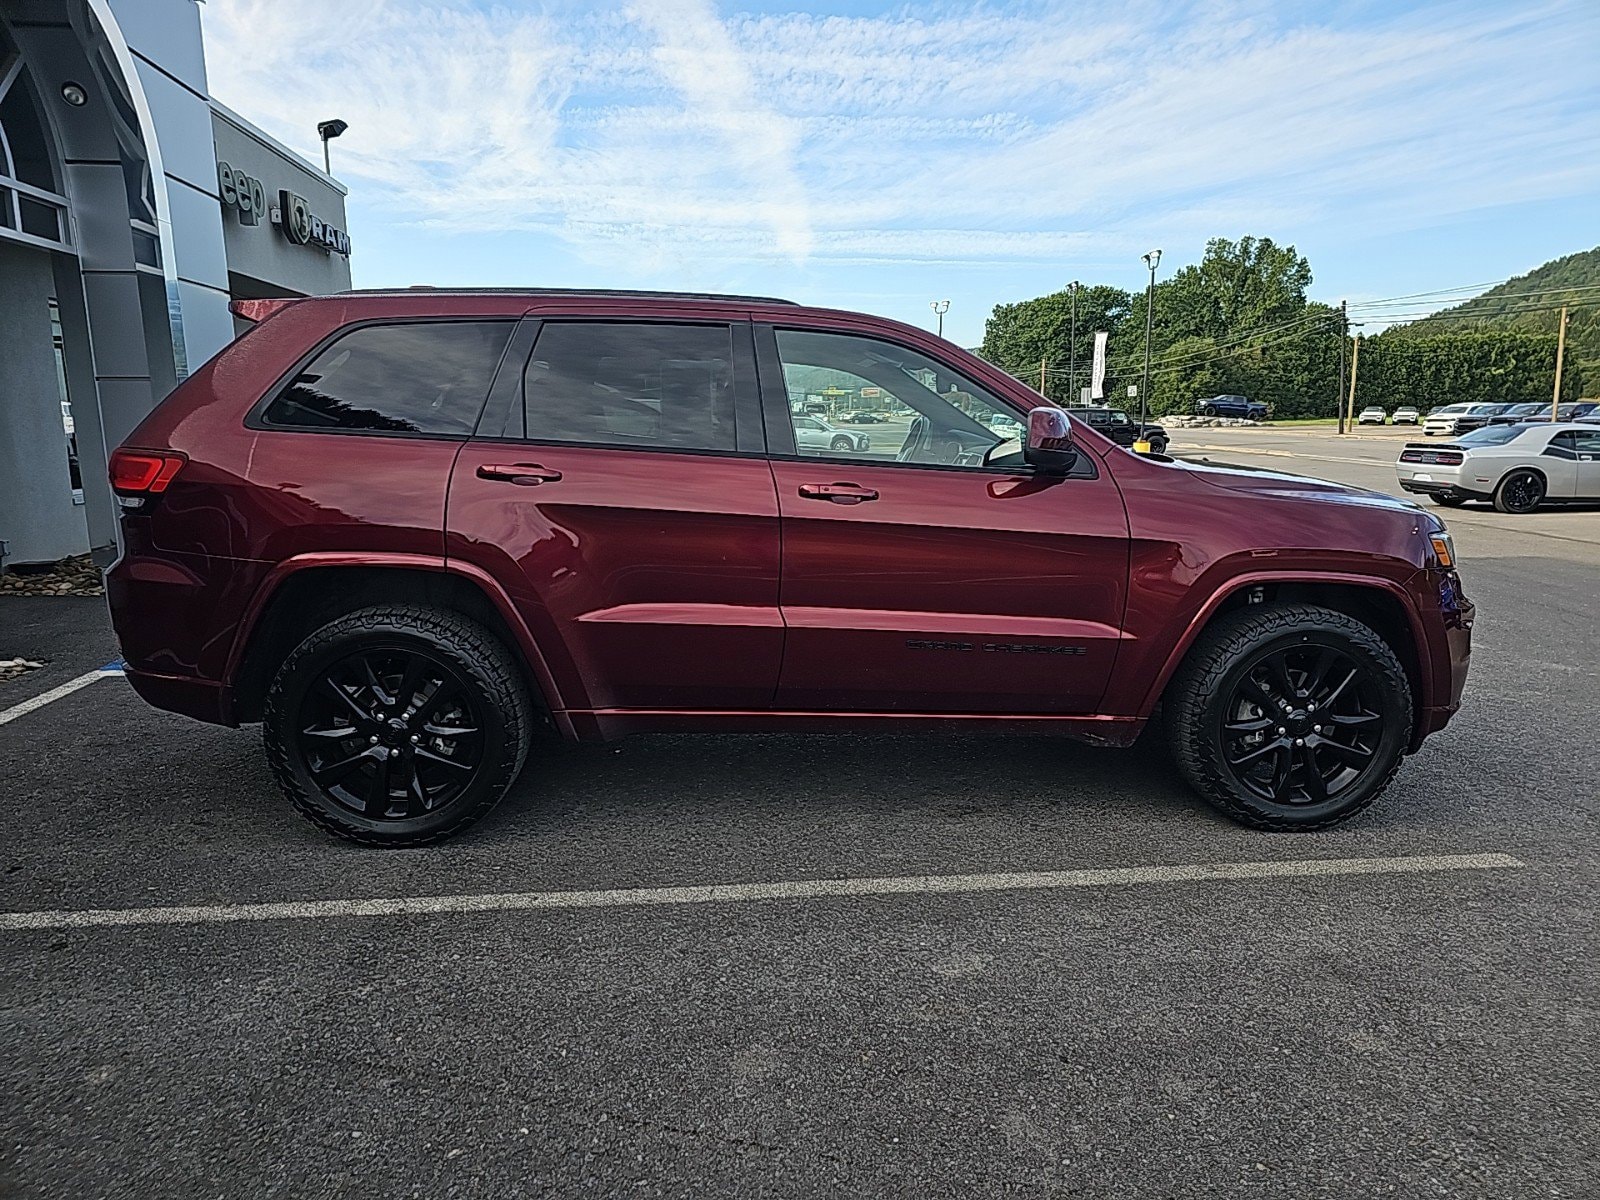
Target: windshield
(1451, 408)
(1491, 435)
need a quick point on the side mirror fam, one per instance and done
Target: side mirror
(1049, 447)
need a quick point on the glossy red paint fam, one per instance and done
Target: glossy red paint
(654, 589)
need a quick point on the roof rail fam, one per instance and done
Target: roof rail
(623, 293)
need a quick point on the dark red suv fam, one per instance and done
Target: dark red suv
(405, 530)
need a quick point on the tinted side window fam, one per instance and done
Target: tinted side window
(614, 384)
(421, 377)
(1586, 442)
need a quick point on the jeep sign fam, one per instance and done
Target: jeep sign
(243, 193)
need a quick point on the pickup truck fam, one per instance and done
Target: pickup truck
(1232, 406)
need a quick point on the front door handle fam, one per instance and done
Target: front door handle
(837, 493)
(523, 474)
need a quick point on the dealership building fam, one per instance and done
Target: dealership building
(133, 209)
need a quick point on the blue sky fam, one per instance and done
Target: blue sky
(877, 157)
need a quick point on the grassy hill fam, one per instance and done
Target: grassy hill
(1532, 303)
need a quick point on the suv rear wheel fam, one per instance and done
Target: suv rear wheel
(1289, 716)
(397, 725)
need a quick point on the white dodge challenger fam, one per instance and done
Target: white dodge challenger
(1519, 467)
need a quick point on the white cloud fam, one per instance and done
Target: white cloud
(665, 135)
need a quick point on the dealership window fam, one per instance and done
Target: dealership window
(419, 378)
(667, 387)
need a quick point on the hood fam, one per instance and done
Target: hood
(1294, 487)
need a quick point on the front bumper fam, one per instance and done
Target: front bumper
(1451, 652)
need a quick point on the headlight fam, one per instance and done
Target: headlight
(1444, 548)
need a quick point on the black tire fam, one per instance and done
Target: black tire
(1449, 499)
(1223, 739)
(1158, 446)
(1208, 411)
(1519, 492)
(431, 700)
(843, 443)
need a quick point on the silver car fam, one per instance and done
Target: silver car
(1519, 467)
(1372, 415)
(813, 433)
(1406, 415)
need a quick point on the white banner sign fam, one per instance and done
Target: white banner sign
(1097, 386)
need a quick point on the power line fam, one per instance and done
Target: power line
(1235, 339)
(1555, 291)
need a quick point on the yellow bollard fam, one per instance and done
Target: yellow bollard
(1141, 447)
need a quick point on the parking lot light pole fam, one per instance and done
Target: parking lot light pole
(1151, 260)
(940, 307)
(327, 131)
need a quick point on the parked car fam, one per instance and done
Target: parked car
(1372, 415)
(1479, 416)
(1121, 428)
(1232, 406)
(1519, 467)
(1406, 415)
(1516, 414)
(813, 433)
(1567, 412)
(1447, 418)
(408, 531)
(1006, 426)
(863, 418)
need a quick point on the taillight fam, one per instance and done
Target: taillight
(143, 472)
(1440, 458)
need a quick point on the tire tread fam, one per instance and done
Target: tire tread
(1216, 651)
(482, 653)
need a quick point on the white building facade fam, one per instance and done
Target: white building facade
(133, 209)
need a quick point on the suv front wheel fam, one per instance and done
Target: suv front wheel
(1289, 716)
(397, 725)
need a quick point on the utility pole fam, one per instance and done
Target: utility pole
(1355, 364)
(1072, 346)
(1561, 353)
(1041, 378)
(1344, 336)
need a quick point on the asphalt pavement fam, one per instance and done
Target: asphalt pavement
(1426, 1029)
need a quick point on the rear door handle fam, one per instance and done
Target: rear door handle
(837, 493)
(523, 474)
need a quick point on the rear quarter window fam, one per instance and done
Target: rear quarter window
(422, 378)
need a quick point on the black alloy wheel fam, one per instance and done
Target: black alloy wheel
(397, 725)
(1520, 492)
(1289, 716)
(390, 733)
(1302, 725)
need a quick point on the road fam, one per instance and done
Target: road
(1426, 1029)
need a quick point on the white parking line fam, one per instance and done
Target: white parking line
(55, 693)
(733, 893)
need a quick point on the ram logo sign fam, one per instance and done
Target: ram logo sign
(304, 228)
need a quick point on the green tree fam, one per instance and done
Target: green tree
(1252, 283)
(1020, 336)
